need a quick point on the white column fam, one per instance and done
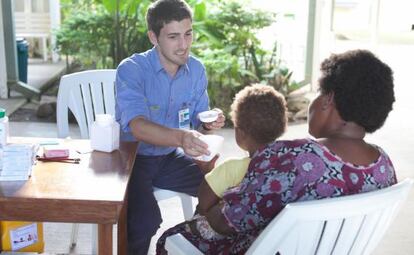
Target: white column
(54, 10)
(27, 6)
(324, 36)
(374, 23)
(3, 71)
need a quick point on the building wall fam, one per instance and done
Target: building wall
(356, 20)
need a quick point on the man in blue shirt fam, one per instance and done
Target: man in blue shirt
(159, 94)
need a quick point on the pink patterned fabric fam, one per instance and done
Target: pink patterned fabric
(282, 173)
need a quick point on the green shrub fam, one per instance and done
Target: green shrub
(100, 33)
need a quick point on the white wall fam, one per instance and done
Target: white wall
(396, 15)
(3, 72)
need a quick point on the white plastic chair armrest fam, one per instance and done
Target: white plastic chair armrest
(178, 245)
(186, 200)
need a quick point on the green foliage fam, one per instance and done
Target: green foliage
(86, 36)
(100, 33)
(226, 41)
(95, 34)
(227, 44)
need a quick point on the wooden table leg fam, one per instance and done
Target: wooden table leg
(105, 239)
(122, 231)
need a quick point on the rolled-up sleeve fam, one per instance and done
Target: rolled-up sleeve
(130, 93)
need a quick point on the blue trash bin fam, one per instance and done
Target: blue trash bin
(22, 57)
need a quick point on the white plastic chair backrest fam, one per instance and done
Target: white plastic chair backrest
(346, 225)
(89, 93)
(86, 94)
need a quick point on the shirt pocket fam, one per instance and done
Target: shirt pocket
(155, 112)
(192, 103)
(191, 107)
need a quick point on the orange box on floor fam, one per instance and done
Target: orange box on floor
(21, 236)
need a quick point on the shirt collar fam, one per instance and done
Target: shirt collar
(155, 60)
(156, 63)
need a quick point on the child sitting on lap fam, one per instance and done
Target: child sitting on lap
(259, 116)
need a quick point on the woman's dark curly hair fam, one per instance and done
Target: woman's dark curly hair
(363, 87)
(260, 112)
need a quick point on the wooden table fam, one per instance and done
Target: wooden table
(93, 191)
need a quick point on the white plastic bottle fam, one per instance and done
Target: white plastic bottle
(105, 133)
(4, 127)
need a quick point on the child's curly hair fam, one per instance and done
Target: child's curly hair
(260, 111)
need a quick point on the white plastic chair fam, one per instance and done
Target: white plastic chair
(345, 225)
(89, 93)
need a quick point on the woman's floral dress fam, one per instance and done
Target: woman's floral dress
(284, 172)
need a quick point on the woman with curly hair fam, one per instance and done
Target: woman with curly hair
(356, 94)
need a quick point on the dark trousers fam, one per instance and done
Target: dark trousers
(174, 171)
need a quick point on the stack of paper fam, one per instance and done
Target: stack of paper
(17, 161)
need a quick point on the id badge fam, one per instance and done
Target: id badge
(184, 118)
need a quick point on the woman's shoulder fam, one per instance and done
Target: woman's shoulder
(294, 142)
(382, 152)
(285, 145)
(277, 152)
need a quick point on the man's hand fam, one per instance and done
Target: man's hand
(192, 145)
(207, 166)
(217, 124)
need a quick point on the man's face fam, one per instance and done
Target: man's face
(174, 43)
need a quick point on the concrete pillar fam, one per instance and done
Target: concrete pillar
(323, 39)
(374, 24)
(311, 41)
(10, 41)
(7, 10)
(7, 48)
(54, 12)
(3, 70)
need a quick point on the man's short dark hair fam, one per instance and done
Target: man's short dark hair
(363, 87)
(260, 112)
(163, 12)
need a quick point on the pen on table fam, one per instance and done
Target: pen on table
(63, 160)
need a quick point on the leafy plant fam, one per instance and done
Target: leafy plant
(231, 27)
(227, 44)
(86, 36)
(100, 33)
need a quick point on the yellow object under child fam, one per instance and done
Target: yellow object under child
(21, 236)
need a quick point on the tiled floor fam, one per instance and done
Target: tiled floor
(57, 235)
(396, 137)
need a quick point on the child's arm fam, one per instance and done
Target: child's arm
(207, 166)
(206, 198)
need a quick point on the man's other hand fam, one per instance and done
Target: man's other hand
(217, 124)
(192, 145)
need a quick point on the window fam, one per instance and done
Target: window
(40, 5)
(19, 5)
(291, 32)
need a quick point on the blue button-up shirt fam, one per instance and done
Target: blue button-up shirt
(144, 88)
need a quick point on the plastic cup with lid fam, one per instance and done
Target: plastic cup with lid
(208, 116)
(214, 143)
